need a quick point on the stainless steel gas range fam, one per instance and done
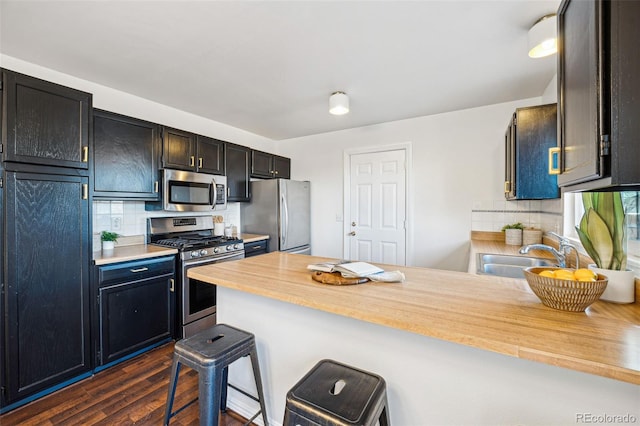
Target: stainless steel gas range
(197, 246)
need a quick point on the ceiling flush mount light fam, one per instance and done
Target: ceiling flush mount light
(338, 103)
(542, 37)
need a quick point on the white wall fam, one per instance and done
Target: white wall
(458, 159)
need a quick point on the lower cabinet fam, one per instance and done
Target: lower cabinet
(255, 248)
(135, 307)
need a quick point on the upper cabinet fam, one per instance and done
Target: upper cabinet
(45, 123)
(187, 151)
(265, 165)
(529, 136)
(126, 153)
(599, 94)
(238, 165)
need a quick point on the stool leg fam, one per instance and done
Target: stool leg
(258, 379)
(209, 391)
(223, 397)
(173, 382)
(384, 416)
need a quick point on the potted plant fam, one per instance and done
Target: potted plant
(603, 234)
(108, 240)
(513, 234)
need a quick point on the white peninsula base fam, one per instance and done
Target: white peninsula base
(429, 381)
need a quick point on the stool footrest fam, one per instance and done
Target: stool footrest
(183, 407)
(245, 393)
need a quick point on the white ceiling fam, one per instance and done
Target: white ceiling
(269, 67)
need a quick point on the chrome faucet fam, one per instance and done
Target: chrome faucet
(564, 248)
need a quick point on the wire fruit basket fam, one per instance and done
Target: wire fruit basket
(565, 295)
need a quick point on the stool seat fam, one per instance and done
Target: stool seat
(210, 352)
(332, 393)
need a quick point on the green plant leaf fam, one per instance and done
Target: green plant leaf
(600, 237)
(587, 201)
(586, 243)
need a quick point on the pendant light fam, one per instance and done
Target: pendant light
(542, 37)
(338, 103)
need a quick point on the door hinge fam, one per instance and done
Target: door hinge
(605, 145)
(515, 120)
(1, 183)
(1, 147)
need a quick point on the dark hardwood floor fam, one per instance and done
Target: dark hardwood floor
(131, 393)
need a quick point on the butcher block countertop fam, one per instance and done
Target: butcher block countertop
(133, 252)
(486, 312)
(252, 238)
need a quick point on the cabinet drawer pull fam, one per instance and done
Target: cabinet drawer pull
(256, 248)
(172, 289)
(554, 152)
(192, 161)
(200, 162)
(139, 269)
(507, 187)
(85, 154)
(85, 191)
(155, 187)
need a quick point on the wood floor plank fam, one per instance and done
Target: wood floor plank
(131, 393)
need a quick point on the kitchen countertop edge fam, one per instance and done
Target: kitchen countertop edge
(132, 252)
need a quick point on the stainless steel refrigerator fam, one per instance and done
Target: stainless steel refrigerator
(281, 209)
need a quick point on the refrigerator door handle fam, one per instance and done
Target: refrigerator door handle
(285, 228)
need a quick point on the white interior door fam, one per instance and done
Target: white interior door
(377, 207)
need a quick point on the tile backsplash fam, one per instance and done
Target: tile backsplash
(492, 215)
(129, 218)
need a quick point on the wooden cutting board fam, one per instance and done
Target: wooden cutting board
(335, 278)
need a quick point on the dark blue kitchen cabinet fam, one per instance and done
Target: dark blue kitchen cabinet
(46, 281)
(530, 134)
(135, 307)
(46, 206)
(599, 95)
(45, 123)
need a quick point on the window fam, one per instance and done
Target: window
(631, 200)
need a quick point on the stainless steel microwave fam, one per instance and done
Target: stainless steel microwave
(193, 192)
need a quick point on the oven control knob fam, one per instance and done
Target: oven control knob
(216, 250)
(195, 253)
(203, 252)
(235, 246)
(229, 247)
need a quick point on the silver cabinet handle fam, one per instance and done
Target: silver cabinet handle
(139, 269)
(352, 233)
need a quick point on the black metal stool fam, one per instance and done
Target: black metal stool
(337, 394)
(209, 353)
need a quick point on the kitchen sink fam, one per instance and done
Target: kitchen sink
(505, 265)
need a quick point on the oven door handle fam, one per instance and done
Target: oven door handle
(213, 260)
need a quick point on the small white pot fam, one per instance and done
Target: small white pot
(621, 285)
(513, 237)
(108, 245)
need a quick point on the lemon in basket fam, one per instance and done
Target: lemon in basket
(585, 275)
(563, 274)
(547, 273)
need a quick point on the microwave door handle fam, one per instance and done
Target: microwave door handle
(214, 191)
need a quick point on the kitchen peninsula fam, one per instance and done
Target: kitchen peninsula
(454, 348)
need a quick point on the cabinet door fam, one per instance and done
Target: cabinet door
(133, 316)
(179, 149)
(125, 157)
(47, 256)
(510, 163)
(261, 164)
(210, 156)
(45, 123)
(582, 91)
(535, 133)
(282, 167)
(238, 164)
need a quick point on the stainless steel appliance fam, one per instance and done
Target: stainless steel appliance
(184, 191)
(197, 246)
(281, 209)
